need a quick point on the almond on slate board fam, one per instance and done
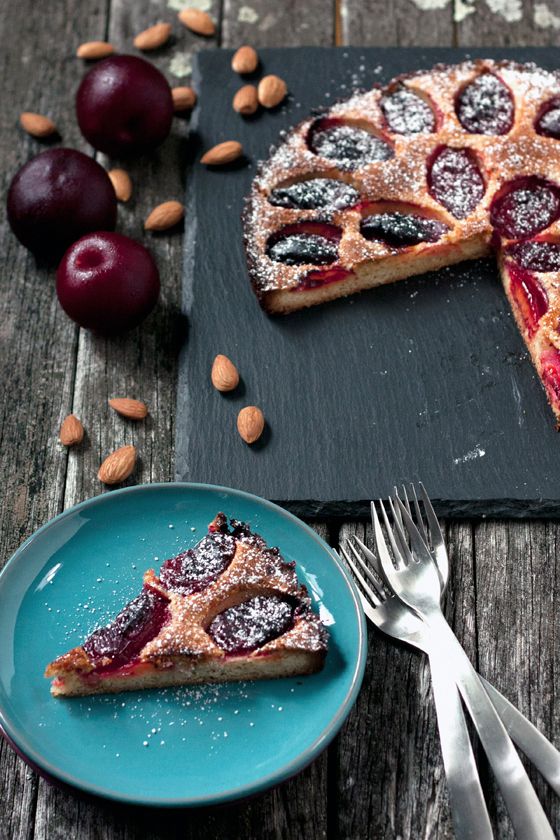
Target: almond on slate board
(165, 216)
(36, 124)
(223, 153)
(184, 98)
(272, 90)
(121, 182)
(224, 374)
(245, 60)
(197, 21)
(92, 50)
(250, 423)
(118, 465)
(71, 431)
(126, 407)
(246, 100)
(153, 37)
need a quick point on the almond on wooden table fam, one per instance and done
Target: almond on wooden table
(272, 90)
(93, 50)
(153, 37)
(127, 407)
(165, 216)
(118, 465)
(184, 98)
(36, 124)
(245, 60)
(246, 100)
(223, 153)
(224, 374)
(197, 21)
(250, 423)
(71, 431)
(121, 182)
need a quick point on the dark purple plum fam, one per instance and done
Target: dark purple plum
(535, 256)
(196, 568)
(485, 106)
(58, 196)
(247, 626)
(315, 193)
(107, 282)
(455, 180)
(306, 243)
(408, 113)
(524, 207)
(548, 121)
(124, 106)
(345, 144)
(399, 230)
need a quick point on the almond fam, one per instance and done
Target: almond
(250, 423)
(92, 50)
(165, 216)
(71, 431)
(126, 407)
(245, 60)
(272, 90)
(224, 374)
(36, 124)
(121, 182)
(184, 98)
(153, 37)
(223, 153)
(246, 100)
(118, 465)
(197, 21)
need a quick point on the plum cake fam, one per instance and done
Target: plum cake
(436, 168)
(228, 609)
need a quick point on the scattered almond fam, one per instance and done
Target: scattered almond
(165, 216)
(36, 124)
(272, 90)
(153, 37)
(71, 431)
(223, 153)
(246, 100)
(250, 423)
(184, 98)
(92, 50)
(197, 21)
(245, 60)
(118, 465)
(224, 374)
(121, 182)
(126, 407)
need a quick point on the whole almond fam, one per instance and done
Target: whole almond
(246, 100)
(118, 465)
(184, 98)
(245, 60)
(197, 21)
(224, 374)
(126, 407)
(153, 37)
(165, 216)
(36, 124)
(92, 50)
(121, 182)
(223, 153)
(272, 90)
(250, 423)
(71, 431)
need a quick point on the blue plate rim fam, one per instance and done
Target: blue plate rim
(281, 774)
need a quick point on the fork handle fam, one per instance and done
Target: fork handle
(466, 800)
(530, 741)
(526, 812)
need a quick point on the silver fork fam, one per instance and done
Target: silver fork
(466, 800)
(413, 577)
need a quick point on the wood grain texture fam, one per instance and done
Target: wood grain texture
(383, 23)
(287, 24)
(529, 22)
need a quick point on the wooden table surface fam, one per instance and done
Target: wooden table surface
(383, 776)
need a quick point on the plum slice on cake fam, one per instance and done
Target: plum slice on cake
(230, 608)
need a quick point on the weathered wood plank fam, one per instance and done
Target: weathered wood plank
(287, 24)
(515, 23)
(388, 23)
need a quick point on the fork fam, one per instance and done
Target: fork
(414, 578)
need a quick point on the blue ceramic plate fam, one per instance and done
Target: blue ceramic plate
(184, 746)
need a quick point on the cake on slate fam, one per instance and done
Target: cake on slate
(228, 609)
(436, 168)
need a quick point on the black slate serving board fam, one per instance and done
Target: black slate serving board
(425, 378)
